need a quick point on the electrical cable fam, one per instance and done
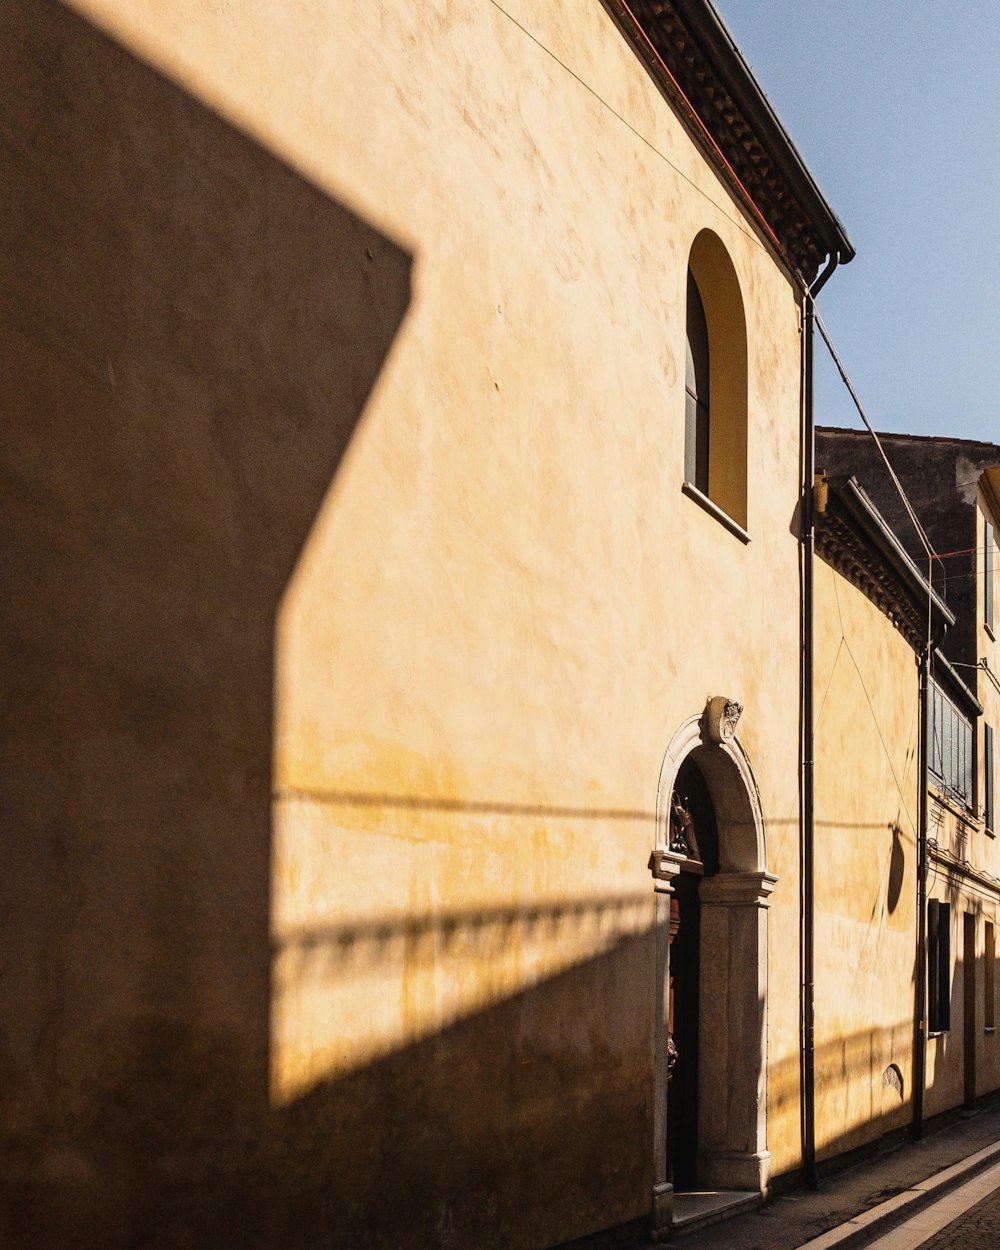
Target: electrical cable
(735, 221)
(962, 551)
(707, 133)
(981, 667)
(921, 532)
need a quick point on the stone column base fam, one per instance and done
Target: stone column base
(663, 1211)
(732, 1169)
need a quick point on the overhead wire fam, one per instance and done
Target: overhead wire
(982, 667)
(908, 506)
(751, 203)
(834, 355)
(733, 219)
(961, 551)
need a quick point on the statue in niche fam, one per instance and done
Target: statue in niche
(683, 839)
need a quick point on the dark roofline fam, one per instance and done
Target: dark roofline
(695, 62)
(911, 438)
(748, 92)
(846, 517)
(874, 526)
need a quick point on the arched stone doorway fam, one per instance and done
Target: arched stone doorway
(725, 1144)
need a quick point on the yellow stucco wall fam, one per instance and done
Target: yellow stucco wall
(963, 839)
(866, 824)
(360, 350)
(987, 852)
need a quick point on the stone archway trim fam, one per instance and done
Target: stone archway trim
(689, 738)
(733, 1113)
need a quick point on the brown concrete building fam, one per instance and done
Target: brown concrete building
(402, 471)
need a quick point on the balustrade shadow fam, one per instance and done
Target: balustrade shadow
(519, 1124)
(189, 334)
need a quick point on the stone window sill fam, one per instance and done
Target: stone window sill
(714, 510)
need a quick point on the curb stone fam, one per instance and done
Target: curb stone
(867, 1224)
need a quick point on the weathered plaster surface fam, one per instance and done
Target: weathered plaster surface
(356, 603)
(866, 823)
(966, 874)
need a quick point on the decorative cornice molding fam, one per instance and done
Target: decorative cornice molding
(961, 868)
(665, 865)
(853, 537)
(692, 59)
(854, 560)
(737, 889)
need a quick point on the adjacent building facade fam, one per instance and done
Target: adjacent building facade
(952, 485)
(873, 609)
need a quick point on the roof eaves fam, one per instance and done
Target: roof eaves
(860, 513)
(958, 687)
(909, 438)
(698, 68)
(705, 23)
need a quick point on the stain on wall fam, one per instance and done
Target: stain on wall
(353, 604)
(867, 799)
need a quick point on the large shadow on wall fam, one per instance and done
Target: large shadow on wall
(514, 1127)
(189, 333)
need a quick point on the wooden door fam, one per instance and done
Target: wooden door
(682, 1098)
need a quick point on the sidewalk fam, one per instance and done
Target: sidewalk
(848, 1207)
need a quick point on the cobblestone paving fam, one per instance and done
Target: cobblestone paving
(798, 1215)
(977, 1229)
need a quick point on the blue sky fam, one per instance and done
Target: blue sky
(895, 107)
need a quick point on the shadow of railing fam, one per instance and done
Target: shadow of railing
(465, 1120)
(189, 335)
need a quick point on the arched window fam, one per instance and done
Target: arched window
(697, 412)
(715, 391)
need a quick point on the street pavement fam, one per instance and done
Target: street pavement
(960, 1215)
(884, 1187)
(978, 1229)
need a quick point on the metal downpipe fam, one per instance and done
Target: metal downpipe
(807, 787)
(920, 971)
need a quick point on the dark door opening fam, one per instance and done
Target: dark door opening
(682, 1105)
(693, 834)
(969, 1012)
